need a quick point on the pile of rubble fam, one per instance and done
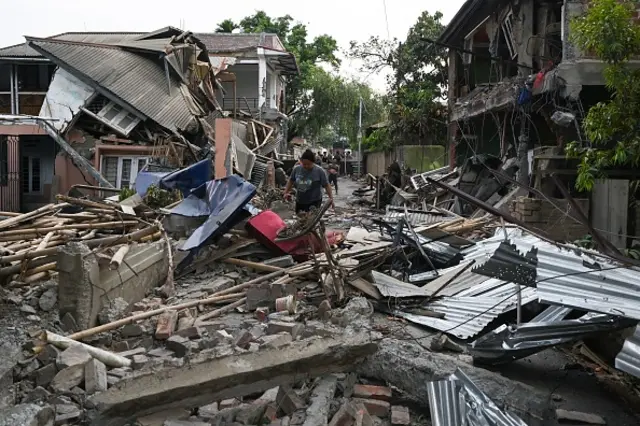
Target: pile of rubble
(216, 310)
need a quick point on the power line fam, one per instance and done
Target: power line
(386, 18)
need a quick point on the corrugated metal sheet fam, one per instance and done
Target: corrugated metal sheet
(19, 51)
(137, 80)
(24, 51)
(467, 316)
(419, 180)
(392, 287)
(457, 401)
(415, 218)
(563, 279)
(628, 360)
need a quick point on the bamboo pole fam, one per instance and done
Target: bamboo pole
(108, 358)
(107, 241)
(223, 310)
(7, 223)
(253, 265)
(144, 315)
(117, 258)
(102, 225)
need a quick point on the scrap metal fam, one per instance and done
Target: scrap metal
(457, 401)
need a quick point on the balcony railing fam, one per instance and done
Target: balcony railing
(240, 104)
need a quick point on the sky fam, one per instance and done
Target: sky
(345, 20)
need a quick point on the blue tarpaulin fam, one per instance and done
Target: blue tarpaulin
(184, 179)
(223, 200)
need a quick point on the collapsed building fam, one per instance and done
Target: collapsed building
(520, 89)
(97, 108)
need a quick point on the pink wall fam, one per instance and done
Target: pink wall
(223, 139)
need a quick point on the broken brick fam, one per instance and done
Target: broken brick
(400, 415)
(372, 392)
(375, 407)
(166, 325)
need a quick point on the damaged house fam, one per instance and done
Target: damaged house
(96, 108)
(520, 90)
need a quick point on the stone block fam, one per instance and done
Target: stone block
(281, 262)
(275, 327)
(95, 377)
(85, 287)
(179, 345)
(288, 401)
(68, 378)
(45, 375)
(74, 355)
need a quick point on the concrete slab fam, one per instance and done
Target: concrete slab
(204, 380)
(85, 287)
(409, 366)
(27, 415)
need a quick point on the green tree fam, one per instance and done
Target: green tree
(334, 102)
(608, 31)
(310, 54)
(227, 26)
(417, 82)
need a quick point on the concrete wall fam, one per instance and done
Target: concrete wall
(85, 286)
(557, 222)
(420, 157)
(246, 86)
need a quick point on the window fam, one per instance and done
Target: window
(121, 172)
(119, 118)
(31, 175)
(34, 78)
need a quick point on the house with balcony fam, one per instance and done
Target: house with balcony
(519, 90)
(109, 122)
(253, 71)
(512, 66)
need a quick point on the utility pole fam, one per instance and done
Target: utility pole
(360, 138)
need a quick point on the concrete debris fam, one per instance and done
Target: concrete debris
(27, 415)
(304, 327)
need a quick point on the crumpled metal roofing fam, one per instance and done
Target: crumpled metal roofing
(138, 80)
(628, 360)
(415, 218)
(466, 316)
(563, 279)
(508, 343)
(457, 401)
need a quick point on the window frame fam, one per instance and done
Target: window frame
(28, 176)
(133, 174)
(114, 122)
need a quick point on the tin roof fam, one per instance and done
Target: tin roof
(23, 50)
(136, 79)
